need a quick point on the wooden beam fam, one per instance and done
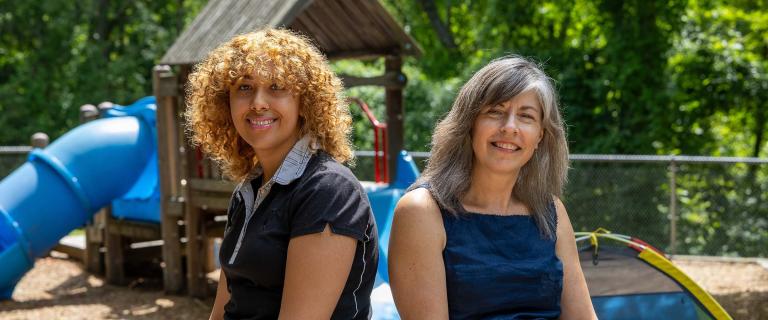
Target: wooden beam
(115, 254)
(210, 185)
(94, 239)
(196, 282)
(394, 100)
(193, 220)
(209, 202)
(134, 229)
(165, 88)
(215, 230)
(362, 54)
(73, 252)
(389, 80)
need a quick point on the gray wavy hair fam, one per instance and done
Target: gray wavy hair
(448, 171)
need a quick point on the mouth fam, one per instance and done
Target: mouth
(506, 146)
(261, 122)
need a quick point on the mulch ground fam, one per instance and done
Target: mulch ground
(58, 288)
(740, 287)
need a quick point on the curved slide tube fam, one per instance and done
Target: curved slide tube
(60, 187)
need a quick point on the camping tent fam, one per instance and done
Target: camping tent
(629, 279)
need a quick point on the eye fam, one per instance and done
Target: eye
(494, 111)
(244, 87)
(276, 87)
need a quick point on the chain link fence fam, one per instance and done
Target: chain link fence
(681, 205)
(11, 158)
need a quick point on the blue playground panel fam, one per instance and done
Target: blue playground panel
(383, 203)
(668, 305)
(142, 201)
(60, 187)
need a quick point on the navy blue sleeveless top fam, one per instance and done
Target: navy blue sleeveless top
(500, 267)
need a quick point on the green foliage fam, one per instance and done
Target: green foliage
(634, 77)
(722, 209)
(720, 79)
(608, 57)
(58, 55)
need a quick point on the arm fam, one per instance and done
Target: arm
(222, 297)
(575, 300)
(416, 267)
(315, 274)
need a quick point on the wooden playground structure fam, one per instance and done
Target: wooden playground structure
(193, 192)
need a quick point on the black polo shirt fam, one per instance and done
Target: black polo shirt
(326, 193)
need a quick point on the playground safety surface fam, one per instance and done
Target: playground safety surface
(58, 288)
(61, 289)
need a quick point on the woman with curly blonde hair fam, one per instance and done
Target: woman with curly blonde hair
(300, 240)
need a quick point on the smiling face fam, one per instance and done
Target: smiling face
(505, 135)
(265, 115)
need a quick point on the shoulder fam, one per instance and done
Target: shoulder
(564, 228)
(418, 200)
(324, 172)
(560, 213)
(418, 214)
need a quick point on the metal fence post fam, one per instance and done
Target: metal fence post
(672, 206)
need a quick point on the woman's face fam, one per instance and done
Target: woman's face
(265, 115)
(504, 136)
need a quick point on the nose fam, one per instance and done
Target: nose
(510, 124)
(259, 100)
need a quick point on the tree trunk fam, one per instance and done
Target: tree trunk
(759, 131)
(443, 29)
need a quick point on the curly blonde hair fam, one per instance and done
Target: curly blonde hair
(285, 58)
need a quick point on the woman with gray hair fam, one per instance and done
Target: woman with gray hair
(483, 234)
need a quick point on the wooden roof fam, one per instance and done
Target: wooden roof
(340, 28)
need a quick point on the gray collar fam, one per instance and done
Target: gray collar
(292, 168)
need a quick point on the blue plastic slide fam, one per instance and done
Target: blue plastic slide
(60, 187)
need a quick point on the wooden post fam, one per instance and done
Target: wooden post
(94, 229)
(196, 282)
(394, 101)
(165, 89)
(115, 257)
(94, 238)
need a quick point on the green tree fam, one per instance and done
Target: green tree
(719, 72)
(58, 55)
(608, 57)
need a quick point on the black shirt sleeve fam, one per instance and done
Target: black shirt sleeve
(332, 196)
